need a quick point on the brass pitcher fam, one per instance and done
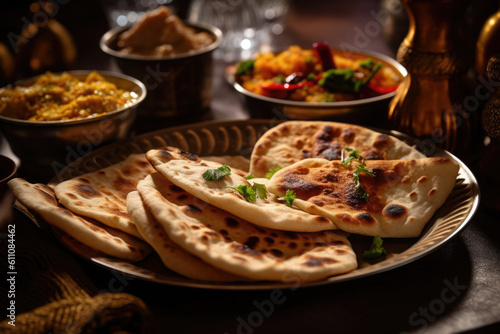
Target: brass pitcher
(432, 104)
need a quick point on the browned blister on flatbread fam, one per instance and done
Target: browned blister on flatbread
(234, 245)
(293, 141)
(403, 194)
(102, 194)
(40, 199)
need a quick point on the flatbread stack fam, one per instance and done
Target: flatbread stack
(41, 200)
(213, 230)
(91, 208)
(187, 173)
(101, 195)
(173, 256)
(233, 245)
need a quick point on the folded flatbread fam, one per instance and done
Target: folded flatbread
(403, 195)
(101, 195)
(40, 200)
(292, 141)
(174, 257)
(186, 171)
(242, 248)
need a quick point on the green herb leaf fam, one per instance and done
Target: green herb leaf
(245, 67)
(246, 191)
(311, 77)
(279, 79)
(260, 190)
(217, 174)
(367, 63)
(251, 193)
(360, 168)
(338, 79)
(271, 172)
(345, 80)
(249, 177)
(289, 197)
(376, 250)
(370, 76)
(353, 155)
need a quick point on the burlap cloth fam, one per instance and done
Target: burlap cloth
(54, 295)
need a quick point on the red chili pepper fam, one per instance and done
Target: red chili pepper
(324, 54)
(382, 89)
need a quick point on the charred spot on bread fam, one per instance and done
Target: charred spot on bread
(366, 218)
(252, 242)
(231, 222)
(189, 156)
(313, 261)
(244, 249)
(193, 209)
(176, 189)
(165, 154)
(348, 135)
(381, 141)
(394, 211)
(87, 190)
(276, 252)
(373, 155)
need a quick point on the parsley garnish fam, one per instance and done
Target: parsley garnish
(367, 63)
(260, 190)
(279, 79)
(376, 250)
(353, 155)
(271, 172)
(249, 177)
(217, 174)
(360, 168)
(245, 67)
(289, 197)
(345, 79)
(251, 193)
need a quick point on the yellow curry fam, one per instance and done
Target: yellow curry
(63, 97)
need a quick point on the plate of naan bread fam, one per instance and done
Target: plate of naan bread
(255, 204)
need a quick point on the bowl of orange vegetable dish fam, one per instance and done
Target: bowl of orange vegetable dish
(318, 83)
(55, 118)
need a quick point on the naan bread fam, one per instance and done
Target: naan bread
(101, 195)
(239, 247)
(174, 257)
(292, 141)
(188, 175)
(403, 195)
(40, 199)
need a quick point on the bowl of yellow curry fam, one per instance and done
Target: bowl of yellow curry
(55, 118)
(319, 83)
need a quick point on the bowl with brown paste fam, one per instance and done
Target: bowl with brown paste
(172, 58)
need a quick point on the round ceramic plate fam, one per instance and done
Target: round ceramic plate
(238, 138)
